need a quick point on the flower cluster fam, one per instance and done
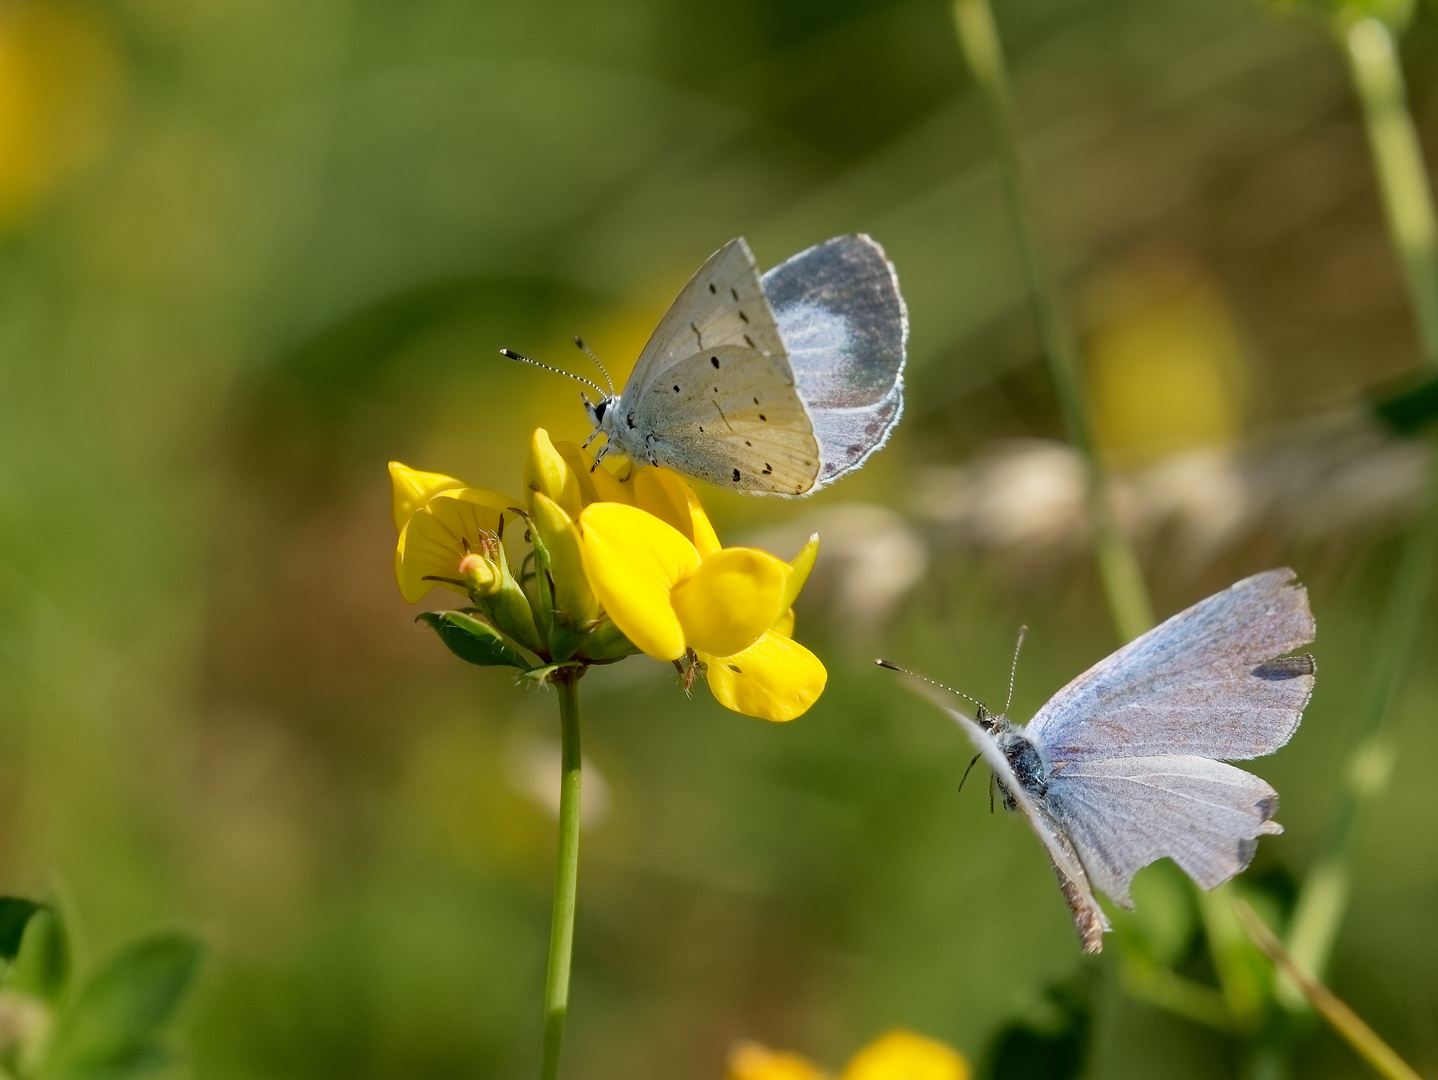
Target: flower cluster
(896, 1055)
(608, 566)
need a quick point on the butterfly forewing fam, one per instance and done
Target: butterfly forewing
(845, 329)
(1124, 813)
(749, 432)
(723, 304)
(1210, 681)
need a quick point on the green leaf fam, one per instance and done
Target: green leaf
(472, 640)
(15, 915)
(1410, 409)
(43, 966)
(111, 1030)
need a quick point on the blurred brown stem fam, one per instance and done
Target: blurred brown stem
(1348, 1024)
(1403, 182)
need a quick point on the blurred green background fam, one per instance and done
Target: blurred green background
(252, 251)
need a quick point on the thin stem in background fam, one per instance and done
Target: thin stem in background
(566, 874)
(1403, 182)
(1341, 1018)
(1119, 569)
(1124, 587)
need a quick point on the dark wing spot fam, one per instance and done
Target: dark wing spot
(743, 316)
(871, 428)
(763, 418)
(735, 294)
(855, 450)
(748, 443)
(701, 430)
(712, 289)
(629, 420)
(736, 476)
(1247, 849)
(768, 468)
(676, 389)
(756, 401)
(1285, 667)
(749, 341)
(714, 360)
(1267, 807)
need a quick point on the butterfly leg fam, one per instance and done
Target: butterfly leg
(969, 770)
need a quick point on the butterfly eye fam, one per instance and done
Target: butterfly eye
(599, 410)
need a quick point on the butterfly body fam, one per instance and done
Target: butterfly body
(1128, 763)
(766, 397)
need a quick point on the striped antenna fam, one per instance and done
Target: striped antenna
(512, 355)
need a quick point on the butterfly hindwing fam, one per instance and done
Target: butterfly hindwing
(1124, 813)
(845, 328)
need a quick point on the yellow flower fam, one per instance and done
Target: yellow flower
(905, 1055)
(776, 678)
(896, 1055)
(449, 535)
(661, 574)
(441, 521)
(750, 1061)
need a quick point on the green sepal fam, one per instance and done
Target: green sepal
(15, 914)
(564, 640)
(542, 675)
(472, 640)
(605, 642)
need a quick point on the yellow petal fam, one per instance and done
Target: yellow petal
(785, 626)
(572, 594)
(634, 560)
(730, 600)
(799, 571)
(670, 499)
(596, 483)
(546, 472)
(750, 1061)
(905, 1055)
(410, 489)
(440, 534)
(773, 679)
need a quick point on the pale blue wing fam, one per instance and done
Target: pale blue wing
(845, 328)
(1124, 813)
(1210, 681)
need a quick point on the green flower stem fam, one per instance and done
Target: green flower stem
(566, 874)
(1119, 570)
(1403, 181)
(1372, 58)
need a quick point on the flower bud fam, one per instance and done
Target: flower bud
(547, 473)
(574, 600)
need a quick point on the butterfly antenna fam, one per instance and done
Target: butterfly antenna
(587, 351)
(511, 354)
(905, 671)
(1014, 667)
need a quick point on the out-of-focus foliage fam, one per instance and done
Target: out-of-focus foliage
(253, 251)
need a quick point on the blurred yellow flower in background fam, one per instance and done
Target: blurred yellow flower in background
(896, 1055)
(61, 78)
